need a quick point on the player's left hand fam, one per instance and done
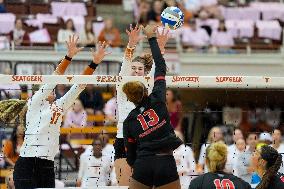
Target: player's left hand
(162, 39)
(72, 46)
(100, 53)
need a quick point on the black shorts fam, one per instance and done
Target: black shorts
(33, 172)
(155, 170)
(119, 148)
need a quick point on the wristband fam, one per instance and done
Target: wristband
(68, 58)
(93, 65)
(131, 48)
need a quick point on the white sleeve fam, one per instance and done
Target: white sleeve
(191, 161)
(202, 155)
(126, 63)
(40, 96)
(68, 99)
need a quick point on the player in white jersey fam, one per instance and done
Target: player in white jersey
(95, 169)
(185, 163)
(139, 66)
(35, 166)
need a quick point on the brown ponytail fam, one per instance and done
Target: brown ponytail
(274, 161)
(146, 60)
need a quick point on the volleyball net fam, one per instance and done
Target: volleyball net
(251, 103)
(249, 82)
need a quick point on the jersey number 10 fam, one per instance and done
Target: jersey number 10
(154, 119)
(224, 184)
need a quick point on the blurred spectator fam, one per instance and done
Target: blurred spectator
(11, 91)
(92, 100)
(191, 5)
(278, 145)
(215, 135)
(222, 39)
(187, 13)
(18, 35)
(76, 116)
(232, 161)
(110, 109)
(2, 7)
(233, 150)
(87, 36)
(95, 169)
(211, 6)
(60, 91)
(143, 9)
(175, 109)
(11, 147)
(194, 37)
(154, 14)
(185, 163)
(63, 34)
(244, 168)
(110, 34)
(11, 150)
(169, 3)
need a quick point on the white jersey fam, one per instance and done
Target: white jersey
(202, 155)
(95, 172)
(185, 165)
(125, 106)
(232, 160)
(43, 121)
(107, 151)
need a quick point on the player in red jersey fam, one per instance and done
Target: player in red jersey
(216, 178)
(148, 134)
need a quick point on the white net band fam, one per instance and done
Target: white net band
(172, 81)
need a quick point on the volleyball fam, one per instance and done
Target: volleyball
(172, 17)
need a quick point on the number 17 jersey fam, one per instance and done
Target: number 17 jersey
(218, 181)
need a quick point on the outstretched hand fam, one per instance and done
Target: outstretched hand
(134, 35)
(100, 53)
(150, 30)
(72, 46)
(162, 39)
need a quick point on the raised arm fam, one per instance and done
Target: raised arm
(46, 89)
(159, 90)
(162, 39)
(68, 99)
(133, 39)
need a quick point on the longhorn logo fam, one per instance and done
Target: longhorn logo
(69, 78)
(147, 78)
(267, 79)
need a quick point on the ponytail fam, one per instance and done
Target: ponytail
(274, 161)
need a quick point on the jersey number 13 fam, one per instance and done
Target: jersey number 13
(151, 114)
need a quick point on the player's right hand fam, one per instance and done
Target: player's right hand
(100, 53)
(134, 35)
(72, 46)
